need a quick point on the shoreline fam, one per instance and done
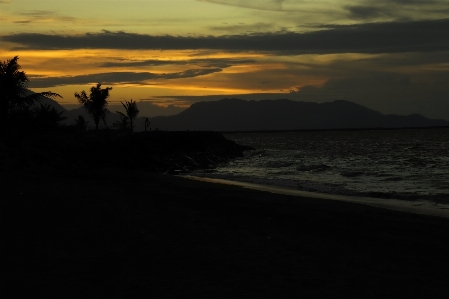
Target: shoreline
(416, 207)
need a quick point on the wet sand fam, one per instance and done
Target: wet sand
(125, 234)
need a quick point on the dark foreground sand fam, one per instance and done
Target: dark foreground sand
(123, 234)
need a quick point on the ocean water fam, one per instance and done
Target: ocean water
(409, 164)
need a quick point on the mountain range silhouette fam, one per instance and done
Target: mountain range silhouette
(241, 115)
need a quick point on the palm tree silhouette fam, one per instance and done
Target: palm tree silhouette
(14, 92)
(95, 103)
(131, 112)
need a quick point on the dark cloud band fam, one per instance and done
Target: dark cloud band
(390, 37)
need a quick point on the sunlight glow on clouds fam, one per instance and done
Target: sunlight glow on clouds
(390, 55)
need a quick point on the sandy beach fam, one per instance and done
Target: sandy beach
(127, 234)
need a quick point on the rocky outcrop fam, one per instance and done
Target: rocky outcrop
(175, 152)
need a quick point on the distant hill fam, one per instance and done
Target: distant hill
(241, 115)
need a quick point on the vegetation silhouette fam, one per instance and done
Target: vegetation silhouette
(95, 103)
(131, 113)
(81, 123)
(147, 124)
(123, 123)
(15, 97)
(48, 117)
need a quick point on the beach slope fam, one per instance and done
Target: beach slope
(128, 234)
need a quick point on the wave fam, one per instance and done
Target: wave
(274, 164)
(351, 174)
(318, 167)
(394, 179)
(255, 153)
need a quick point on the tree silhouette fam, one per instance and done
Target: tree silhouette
(131, 112)
(95, 103)
(14, 92)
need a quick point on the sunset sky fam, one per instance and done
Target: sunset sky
(389, 55)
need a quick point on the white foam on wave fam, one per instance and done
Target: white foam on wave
(416, 207)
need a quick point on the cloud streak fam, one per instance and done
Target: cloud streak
(241, 27)
(42, 15)
(367, 12)
(207, 62)
(273, 5)
(390, 37)
(139, 78)
(395, 9)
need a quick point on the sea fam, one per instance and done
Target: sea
(403, 164)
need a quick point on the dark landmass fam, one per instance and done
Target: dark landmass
(114, 233)
(240, 115)
(156, 151)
